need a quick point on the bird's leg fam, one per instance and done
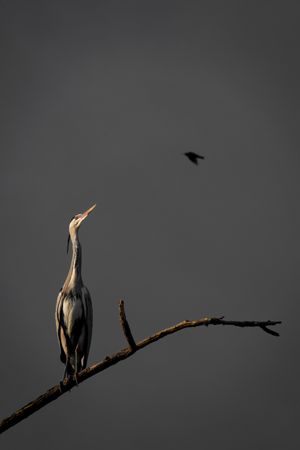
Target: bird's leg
(65, 372)
(66, 376)
(76, 365)
(68, 370)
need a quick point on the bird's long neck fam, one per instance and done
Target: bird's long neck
(74, 279)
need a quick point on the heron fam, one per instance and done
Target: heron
(74, 311)
(193, 157)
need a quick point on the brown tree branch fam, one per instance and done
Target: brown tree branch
(60, 389)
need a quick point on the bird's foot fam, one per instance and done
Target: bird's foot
(63, 385)
(66, 383)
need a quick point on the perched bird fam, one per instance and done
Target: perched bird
(193, 157)
(74, 312)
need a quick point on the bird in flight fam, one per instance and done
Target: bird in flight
(193, 157)
(74, 311)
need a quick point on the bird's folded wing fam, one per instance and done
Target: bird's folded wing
(60, 324)
(88, 313)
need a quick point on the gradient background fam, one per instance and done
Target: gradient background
(98, 101)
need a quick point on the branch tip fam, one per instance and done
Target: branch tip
(267, 330)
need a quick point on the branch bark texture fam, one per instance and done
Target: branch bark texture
(60, 389)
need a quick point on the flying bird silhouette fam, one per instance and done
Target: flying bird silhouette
(193, 157)
(74, 311)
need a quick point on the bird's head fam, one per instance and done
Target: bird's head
(76, 221)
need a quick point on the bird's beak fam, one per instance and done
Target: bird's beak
(86, 213)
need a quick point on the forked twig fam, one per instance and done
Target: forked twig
(126, 327)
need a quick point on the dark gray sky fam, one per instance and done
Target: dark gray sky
(99, 99)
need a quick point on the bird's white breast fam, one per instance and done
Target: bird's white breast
(72, 312)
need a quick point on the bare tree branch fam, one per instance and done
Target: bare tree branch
(60, 389)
